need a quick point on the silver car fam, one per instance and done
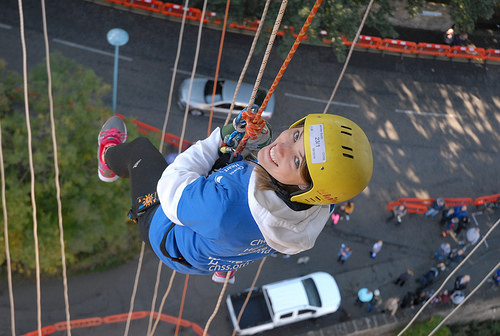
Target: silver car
(201, 97)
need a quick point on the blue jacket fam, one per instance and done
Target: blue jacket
(222, 221)
(219, 232)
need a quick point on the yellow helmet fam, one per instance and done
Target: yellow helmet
(338, 156)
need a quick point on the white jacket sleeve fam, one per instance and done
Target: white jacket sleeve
(195, 162)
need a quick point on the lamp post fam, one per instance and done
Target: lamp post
(116, 37)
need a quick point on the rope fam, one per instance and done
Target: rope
(56, 167)
(465, 299)
(182, 304)
(134, 291)
(162, 142)
(351, 49)
(163, 303)
(193, 72)
(255, 124)
(155, 295)
(257, 274)
(6, 238)
(32, 170)
(249, 58)
(223, 34)
(267, 53)
(449, 277)
(174, 73)
(217, 305)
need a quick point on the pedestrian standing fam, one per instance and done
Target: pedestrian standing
(473, 236)
(344, 253)
(391, 305)
(376, 249)
(397, 213)
(364, 295)
(436, 207)
(342, 211)
(375, 302)
(443, 252)
(461, 282)
(403, 277)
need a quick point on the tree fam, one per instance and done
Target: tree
(342, 18)
(423, 328)
(465, 13)
(95, 226)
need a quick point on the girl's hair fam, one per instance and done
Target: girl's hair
(266, 182)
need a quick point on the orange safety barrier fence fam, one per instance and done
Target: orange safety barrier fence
(399, 46)
(246, 25)
(452, 202)
(370, 42)
(212, 17)
(151, 5)
(466, 52)
(420, 205)
(423, 201)
(169, 138)
(486, 199)
(178, 11)
(432, 49)
(97, 321)
(410, 207)
(492, 54)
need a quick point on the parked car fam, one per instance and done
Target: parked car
(201, 97)
(284, 302)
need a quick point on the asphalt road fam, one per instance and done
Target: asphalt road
(433, 125)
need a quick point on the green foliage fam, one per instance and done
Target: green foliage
(96, 233)
(484, 328)
(425, 327)
(342, 18)
(466, 12)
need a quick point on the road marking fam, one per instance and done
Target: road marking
(445, 115)
(320, 100)
(183, 72)
(97, 51)
(5, 26)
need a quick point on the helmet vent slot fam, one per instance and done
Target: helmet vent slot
(347, 155)
(346, 130)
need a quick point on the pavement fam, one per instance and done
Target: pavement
(411, 244)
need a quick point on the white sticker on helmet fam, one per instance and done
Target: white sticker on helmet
(317, 143)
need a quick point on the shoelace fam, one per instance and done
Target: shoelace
(112, 134)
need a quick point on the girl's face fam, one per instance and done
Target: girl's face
(283, 158)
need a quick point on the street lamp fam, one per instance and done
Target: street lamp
(116, 37)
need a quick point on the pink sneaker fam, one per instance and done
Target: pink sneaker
(113, 132)
(220, 277)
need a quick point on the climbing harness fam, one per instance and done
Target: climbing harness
(142, 204)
